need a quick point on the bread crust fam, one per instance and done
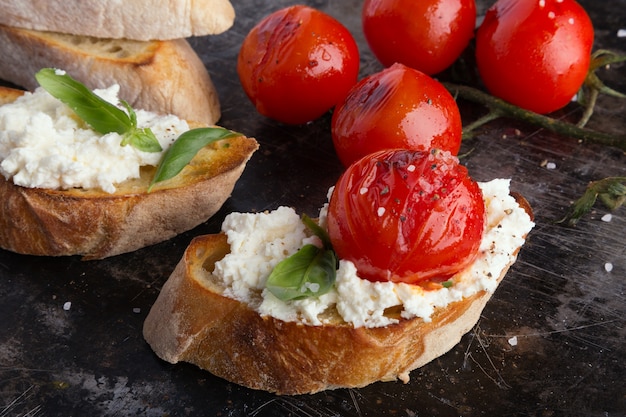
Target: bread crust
(135, 19)
(192, 321)
(96, 224)
(165, 77)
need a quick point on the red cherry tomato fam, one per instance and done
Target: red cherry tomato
(428, 35)
(398, 107)
(406, 216)
(534, 54)
(297, 63)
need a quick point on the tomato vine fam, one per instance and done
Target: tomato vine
(610, 190)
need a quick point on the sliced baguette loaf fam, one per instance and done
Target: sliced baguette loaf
(96, 224)
(192, 321)
(134, 19)
(165, 77)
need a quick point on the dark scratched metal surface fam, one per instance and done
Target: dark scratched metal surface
(565, 310)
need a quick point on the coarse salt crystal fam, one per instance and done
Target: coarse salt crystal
(513, 341)
(136, 310)
(607, 217)
(410, 168)
(621, 33)
(67, 305)
(380, 211)
(608, 266)
(550, 165)
(363, 190)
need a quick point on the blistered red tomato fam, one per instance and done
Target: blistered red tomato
(406, 216)
(534, 54)
(297, 63)
(398, 107)
(428, 35)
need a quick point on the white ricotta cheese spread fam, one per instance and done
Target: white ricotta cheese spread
(259, 241)
(43, 144)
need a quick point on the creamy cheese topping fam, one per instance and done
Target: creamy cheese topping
(259, 241)
(43, 144)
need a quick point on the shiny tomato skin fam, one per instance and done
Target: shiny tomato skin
(398, 107)
(297, 63)
(406, 216)
(428, 35)
(534, 54)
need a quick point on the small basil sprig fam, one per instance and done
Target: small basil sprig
(310, 272)
(102, 116)
(611, 191)
(183, 150)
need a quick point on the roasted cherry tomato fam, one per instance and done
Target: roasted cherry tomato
(398, 107)
(297, 63)
(428, 35)
(406, 216)
(534, 54)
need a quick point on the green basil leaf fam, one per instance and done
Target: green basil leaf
(185, 148)
(101, 115)
(142, 139)
(310, 272)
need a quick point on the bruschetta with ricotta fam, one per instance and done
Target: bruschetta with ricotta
(67, 190)
(218, 311)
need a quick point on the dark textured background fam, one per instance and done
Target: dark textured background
(567, 312)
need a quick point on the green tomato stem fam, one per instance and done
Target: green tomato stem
(589, 105)
(469, 130)
(501, 108)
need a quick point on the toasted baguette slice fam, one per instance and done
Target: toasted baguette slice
(95, 224)
(134, 19)
(192, 321)
(166, 77)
